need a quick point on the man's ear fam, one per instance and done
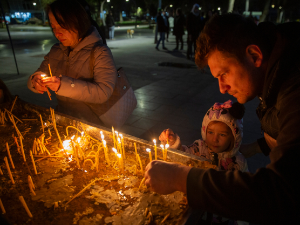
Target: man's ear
(254, 53)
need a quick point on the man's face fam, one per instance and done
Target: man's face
(241, 80)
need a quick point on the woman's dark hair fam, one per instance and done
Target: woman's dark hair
(86, 6)
(70, 15)
(229, 34)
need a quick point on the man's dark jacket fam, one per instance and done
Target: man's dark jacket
(161, 26)
(272, 194)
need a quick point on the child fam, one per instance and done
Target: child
(222, 132)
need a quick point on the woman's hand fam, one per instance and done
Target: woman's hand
(168, 136)
(37, 84)
(52, 82)
(165, 177)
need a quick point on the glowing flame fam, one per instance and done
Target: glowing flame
(70, 158)
(78, 140)
(104, 143)
(167, 146)
(85, 171)
(162, 146)
(115, 150)
(121, 135)
(148, 149)
(119, 155)
(72, 137)
(101, 132)
(116, 133)
(67, 145)
(154, 141)
(119, 140)
(102, 136)
(82, 133)
(43, 75)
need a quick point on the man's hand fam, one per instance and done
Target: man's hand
(52, 82)
(165, 178)
(249, 150)
(169, 135)
(37, 84)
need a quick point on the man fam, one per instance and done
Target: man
(162, 26)
(110, 23)
(193, 26)
(248, 61)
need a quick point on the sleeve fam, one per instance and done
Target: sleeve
(269, 196)
(265, 149)
(43, 69)
(98, 91)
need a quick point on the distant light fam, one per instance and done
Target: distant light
(108, 0)
(171, 6)
(34, 3)
(280, 7)
(127, 0)
(111, 7)
(137, 25)
(273, 6)
(200, 8)
(219, 8)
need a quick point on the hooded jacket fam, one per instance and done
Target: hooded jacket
(77, 84)
(231, 159)
(271, 195)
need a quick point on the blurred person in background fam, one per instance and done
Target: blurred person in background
(178, 31)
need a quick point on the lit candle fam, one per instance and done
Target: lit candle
(162, 149)
(106, 152)
(155, 149)
(123, 148)
(166, 151)
(8, 169)
(150, 156)
(25, 206)
(33, 163)
(9, 155)
(113, 133)
(119, 145)
(121, 162)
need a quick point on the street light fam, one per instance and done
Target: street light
(280, 7)
(273, 6)
(108, 0)
(219, 8)
(171, 6)
(34, 3)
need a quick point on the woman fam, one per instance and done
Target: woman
(179, 28)
(78, 79)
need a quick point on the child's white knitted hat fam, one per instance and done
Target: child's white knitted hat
(231, 115)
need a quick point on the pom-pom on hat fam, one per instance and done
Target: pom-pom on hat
(231, 115)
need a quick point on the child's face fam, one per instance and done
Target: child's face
(218, 137)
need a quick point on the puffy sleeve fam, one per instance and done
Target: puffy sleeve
(101, 88)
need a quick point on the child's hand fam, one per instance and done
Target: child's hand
(167, 136)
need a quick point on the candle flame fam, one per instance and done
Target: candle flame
(119, 140)
(162, 146)
(154, 141)
(72, 137)
(167, 146)
(85, 171)
(102, 136)
(121, 135)
(119, 155)
(114, 150)
(43, 75)
(104, 143)
(148, 149)
(101, 132)
(67, 145)
(78, 140)
(116, 133)
(82, 133)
